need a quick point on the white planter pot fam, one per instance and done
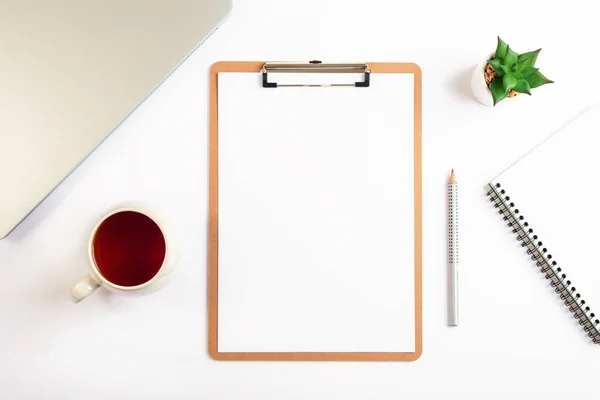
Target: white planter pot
(478, 86)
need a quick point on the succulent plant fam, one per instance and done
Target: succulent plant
(514, 72)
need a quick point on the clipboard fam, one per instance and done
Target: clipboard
(269, 77)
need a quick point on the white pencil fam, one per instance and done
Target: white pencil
(453, 250)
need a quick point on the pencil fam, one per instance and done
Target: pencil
(453, 250)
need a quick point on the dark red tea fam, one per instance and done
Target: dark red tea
(129, 248)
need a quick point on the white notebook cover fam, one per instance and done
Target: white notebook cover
(556, 194)
(316, 221)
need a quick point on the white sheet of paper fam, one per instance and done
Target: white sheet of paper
(316, 215)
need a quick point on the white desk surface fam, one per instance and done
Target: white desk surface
(155, 346)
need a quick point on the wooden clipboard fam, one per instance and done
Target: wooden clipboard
(213, 223)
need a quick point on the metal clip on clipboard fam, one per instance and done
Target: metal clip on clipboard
(314, 67)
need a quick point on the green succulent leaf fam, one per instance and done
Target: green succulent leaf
(504, 69)
(522, 86)
(528, 59)
(500, 49)
(498, 93)
(537, 79)
(520, 65)
(529, 71)
(509, 82)
(511, 57)
(517, 71)
(500, 69)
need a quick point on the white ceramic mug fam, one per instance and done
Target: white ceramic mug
(118, 238)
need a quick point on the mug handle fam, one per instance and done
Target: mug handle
(83, 288)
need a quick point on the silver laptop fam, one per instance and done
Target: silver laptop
(72, 71)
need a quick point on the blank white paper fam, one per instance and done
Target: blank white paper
(316, 216)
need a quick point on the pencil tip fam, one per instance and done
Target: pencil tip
(452, 176)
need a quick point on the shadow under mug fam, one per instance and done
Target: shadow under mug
(129, 250)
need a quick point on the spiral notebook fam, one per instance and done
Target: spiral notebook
(547, 200)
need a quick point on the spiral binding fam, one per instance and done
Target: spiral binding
(539, 254)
